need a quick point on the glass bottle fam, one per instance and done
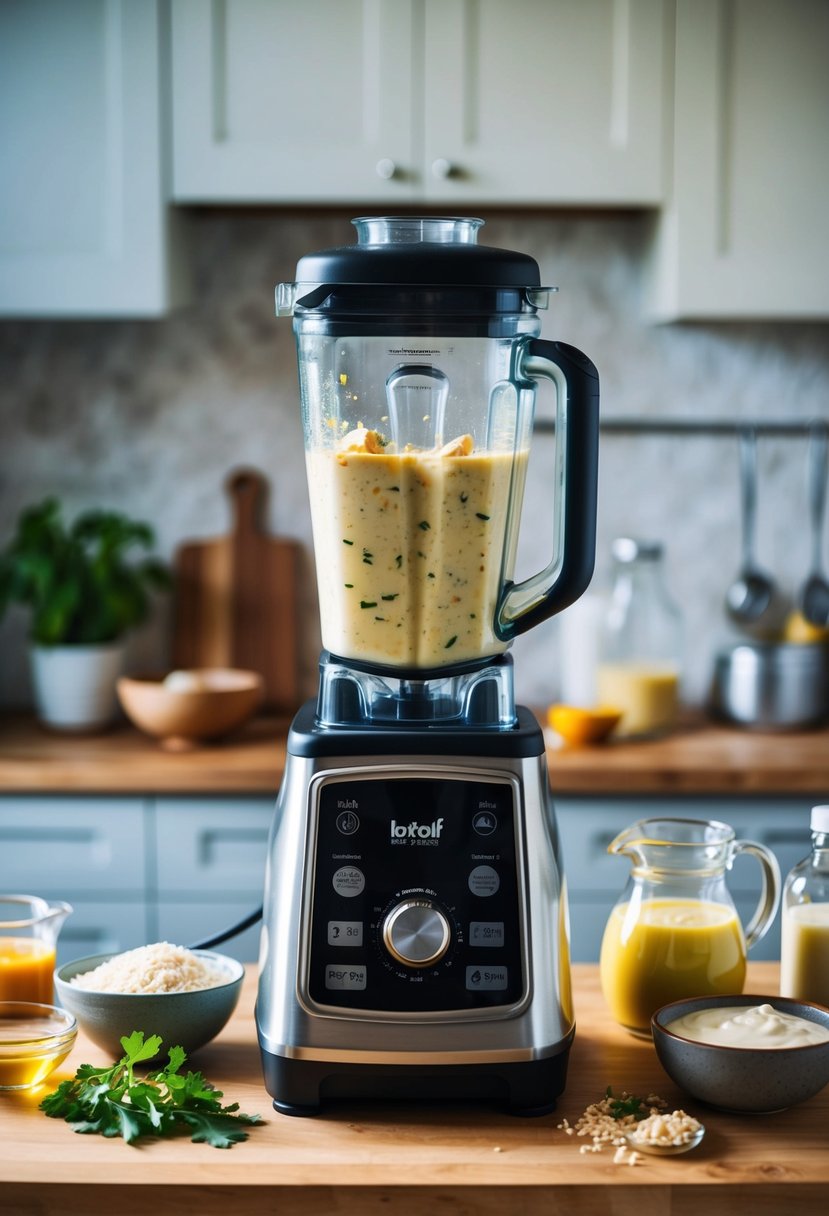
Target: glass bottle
(804, 954)
(641, 651)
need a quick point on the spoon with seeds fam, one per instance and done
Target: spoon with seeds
(666, 1135)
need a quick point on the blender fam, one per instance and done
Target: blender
(415, 933)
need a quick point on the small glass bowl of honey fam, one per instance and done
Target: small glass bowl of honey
(34, 1040)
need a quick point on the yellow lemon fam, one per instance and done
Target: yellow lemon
(798, 629)
(582, 726)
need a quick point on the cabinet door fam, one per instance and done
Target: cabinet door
(274, 100)
(544, 101)
(744, 234)
(55, 846)
(212, 847)
(84, 226)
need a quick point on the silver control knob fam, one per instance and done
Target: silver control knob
(416, 933)
(386, 168)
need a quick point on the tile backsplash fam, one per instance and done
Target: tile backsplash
(150, 416)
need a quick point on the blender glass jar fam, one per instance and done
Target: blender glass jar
(418, 361)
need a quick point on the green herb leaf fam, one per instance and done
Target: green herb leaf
(424, 525)
(368, 603)
(111, 1102)
(451, 642)
(480, 515)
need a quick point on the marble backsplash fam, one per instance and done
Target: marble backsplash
(150, 416)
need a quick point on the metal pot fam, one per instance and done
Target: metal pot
(777, 686)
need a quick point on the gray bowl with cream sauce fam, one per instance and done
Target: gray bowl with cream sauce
(759, 1079)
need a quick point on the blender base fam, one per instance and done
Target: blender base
(303, 1087)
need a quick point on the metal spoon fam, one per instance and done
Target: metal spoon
(814, 597)
(751, 594)
(664, 1150)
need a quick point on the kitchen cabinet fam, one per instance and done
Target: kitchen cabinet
(596, 879)
(743, 230)
(138, 870)
(454, 101)
(85, 226)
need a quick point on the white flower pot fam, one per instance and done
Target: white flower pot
(75, 685)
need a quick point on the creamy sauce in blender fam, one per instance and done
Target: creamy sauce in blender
(409, 549)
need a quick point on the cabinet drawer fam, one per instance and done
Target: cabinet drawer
(188, 922)
(210, 847)
(49, 846)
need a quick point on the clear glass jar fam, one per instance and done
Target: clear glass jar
(641, 647)
(804, 953)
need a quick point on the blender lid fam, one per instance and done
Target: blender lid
(440, 251)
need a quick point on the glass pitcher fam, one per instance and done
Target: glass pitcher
(674, 931)
(419, 358)
(29, 928)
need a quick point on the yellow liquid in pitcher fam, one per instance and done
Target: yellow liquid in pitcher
(667, 949)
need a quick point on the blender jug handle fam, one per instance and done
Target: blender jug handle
(525, 604)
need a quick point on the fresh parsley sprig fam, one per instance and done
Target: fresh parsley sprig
(114, 1102)
(629, 1104)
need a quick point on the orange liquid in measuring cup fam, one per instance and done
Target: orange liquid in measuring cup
(667, 949)
(26, 967)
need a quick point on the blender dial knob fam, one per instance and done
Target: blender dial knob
(443, 168)
(416, 933)
(386, 168)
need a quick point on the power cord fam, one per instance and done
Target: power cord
(226, 934)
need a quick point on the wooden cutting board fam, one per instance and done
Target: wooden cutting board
(236, 598)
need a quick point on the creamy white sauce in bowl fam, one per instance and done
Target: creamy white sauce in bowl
(748, 1026)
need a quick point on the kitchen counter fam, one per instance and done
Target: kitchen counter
(698, 758)
(462, 1160)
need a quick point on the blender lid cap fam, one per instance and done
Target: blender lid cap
(435, 258)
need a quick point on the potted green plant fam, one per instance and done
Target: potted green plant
(86, 589)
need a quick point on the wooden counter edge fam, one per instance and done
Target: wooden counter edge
(699, 759)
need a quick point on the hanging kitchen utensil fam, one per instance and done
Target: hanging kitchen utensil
(236, 598)
(814, 596)
(752, 599)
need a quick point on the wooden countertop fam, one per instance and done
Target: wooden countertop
(699, 758)
(456, 1160)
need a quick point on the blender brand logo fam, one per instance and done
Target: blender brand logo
(416, 831)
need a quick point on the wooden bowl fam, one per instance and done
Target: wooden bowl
(185, 707)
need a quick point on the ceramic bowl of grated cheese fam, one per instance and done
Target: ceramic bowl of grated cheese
(186, 996)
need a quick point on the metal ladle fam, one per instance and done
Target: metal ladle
(750, 596)
(814, 596)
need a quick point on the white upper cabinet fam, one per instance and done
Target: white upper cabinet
(84, 224)
(744, 230)
(278, 101)
(534, 101)
(543, 101)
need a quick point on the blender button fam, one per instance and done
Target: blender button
(345, 933)
(486, 979)
(484, 881)
(349, 881)
(341, 978)
(486, 933)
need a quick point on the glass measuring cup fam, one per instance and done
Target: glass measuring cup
(29, 928)
(675, 932)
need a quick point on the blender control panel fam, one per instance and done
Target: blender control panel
(415, 902)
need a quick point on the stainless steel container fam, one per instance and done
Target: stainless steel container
(776, 686)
